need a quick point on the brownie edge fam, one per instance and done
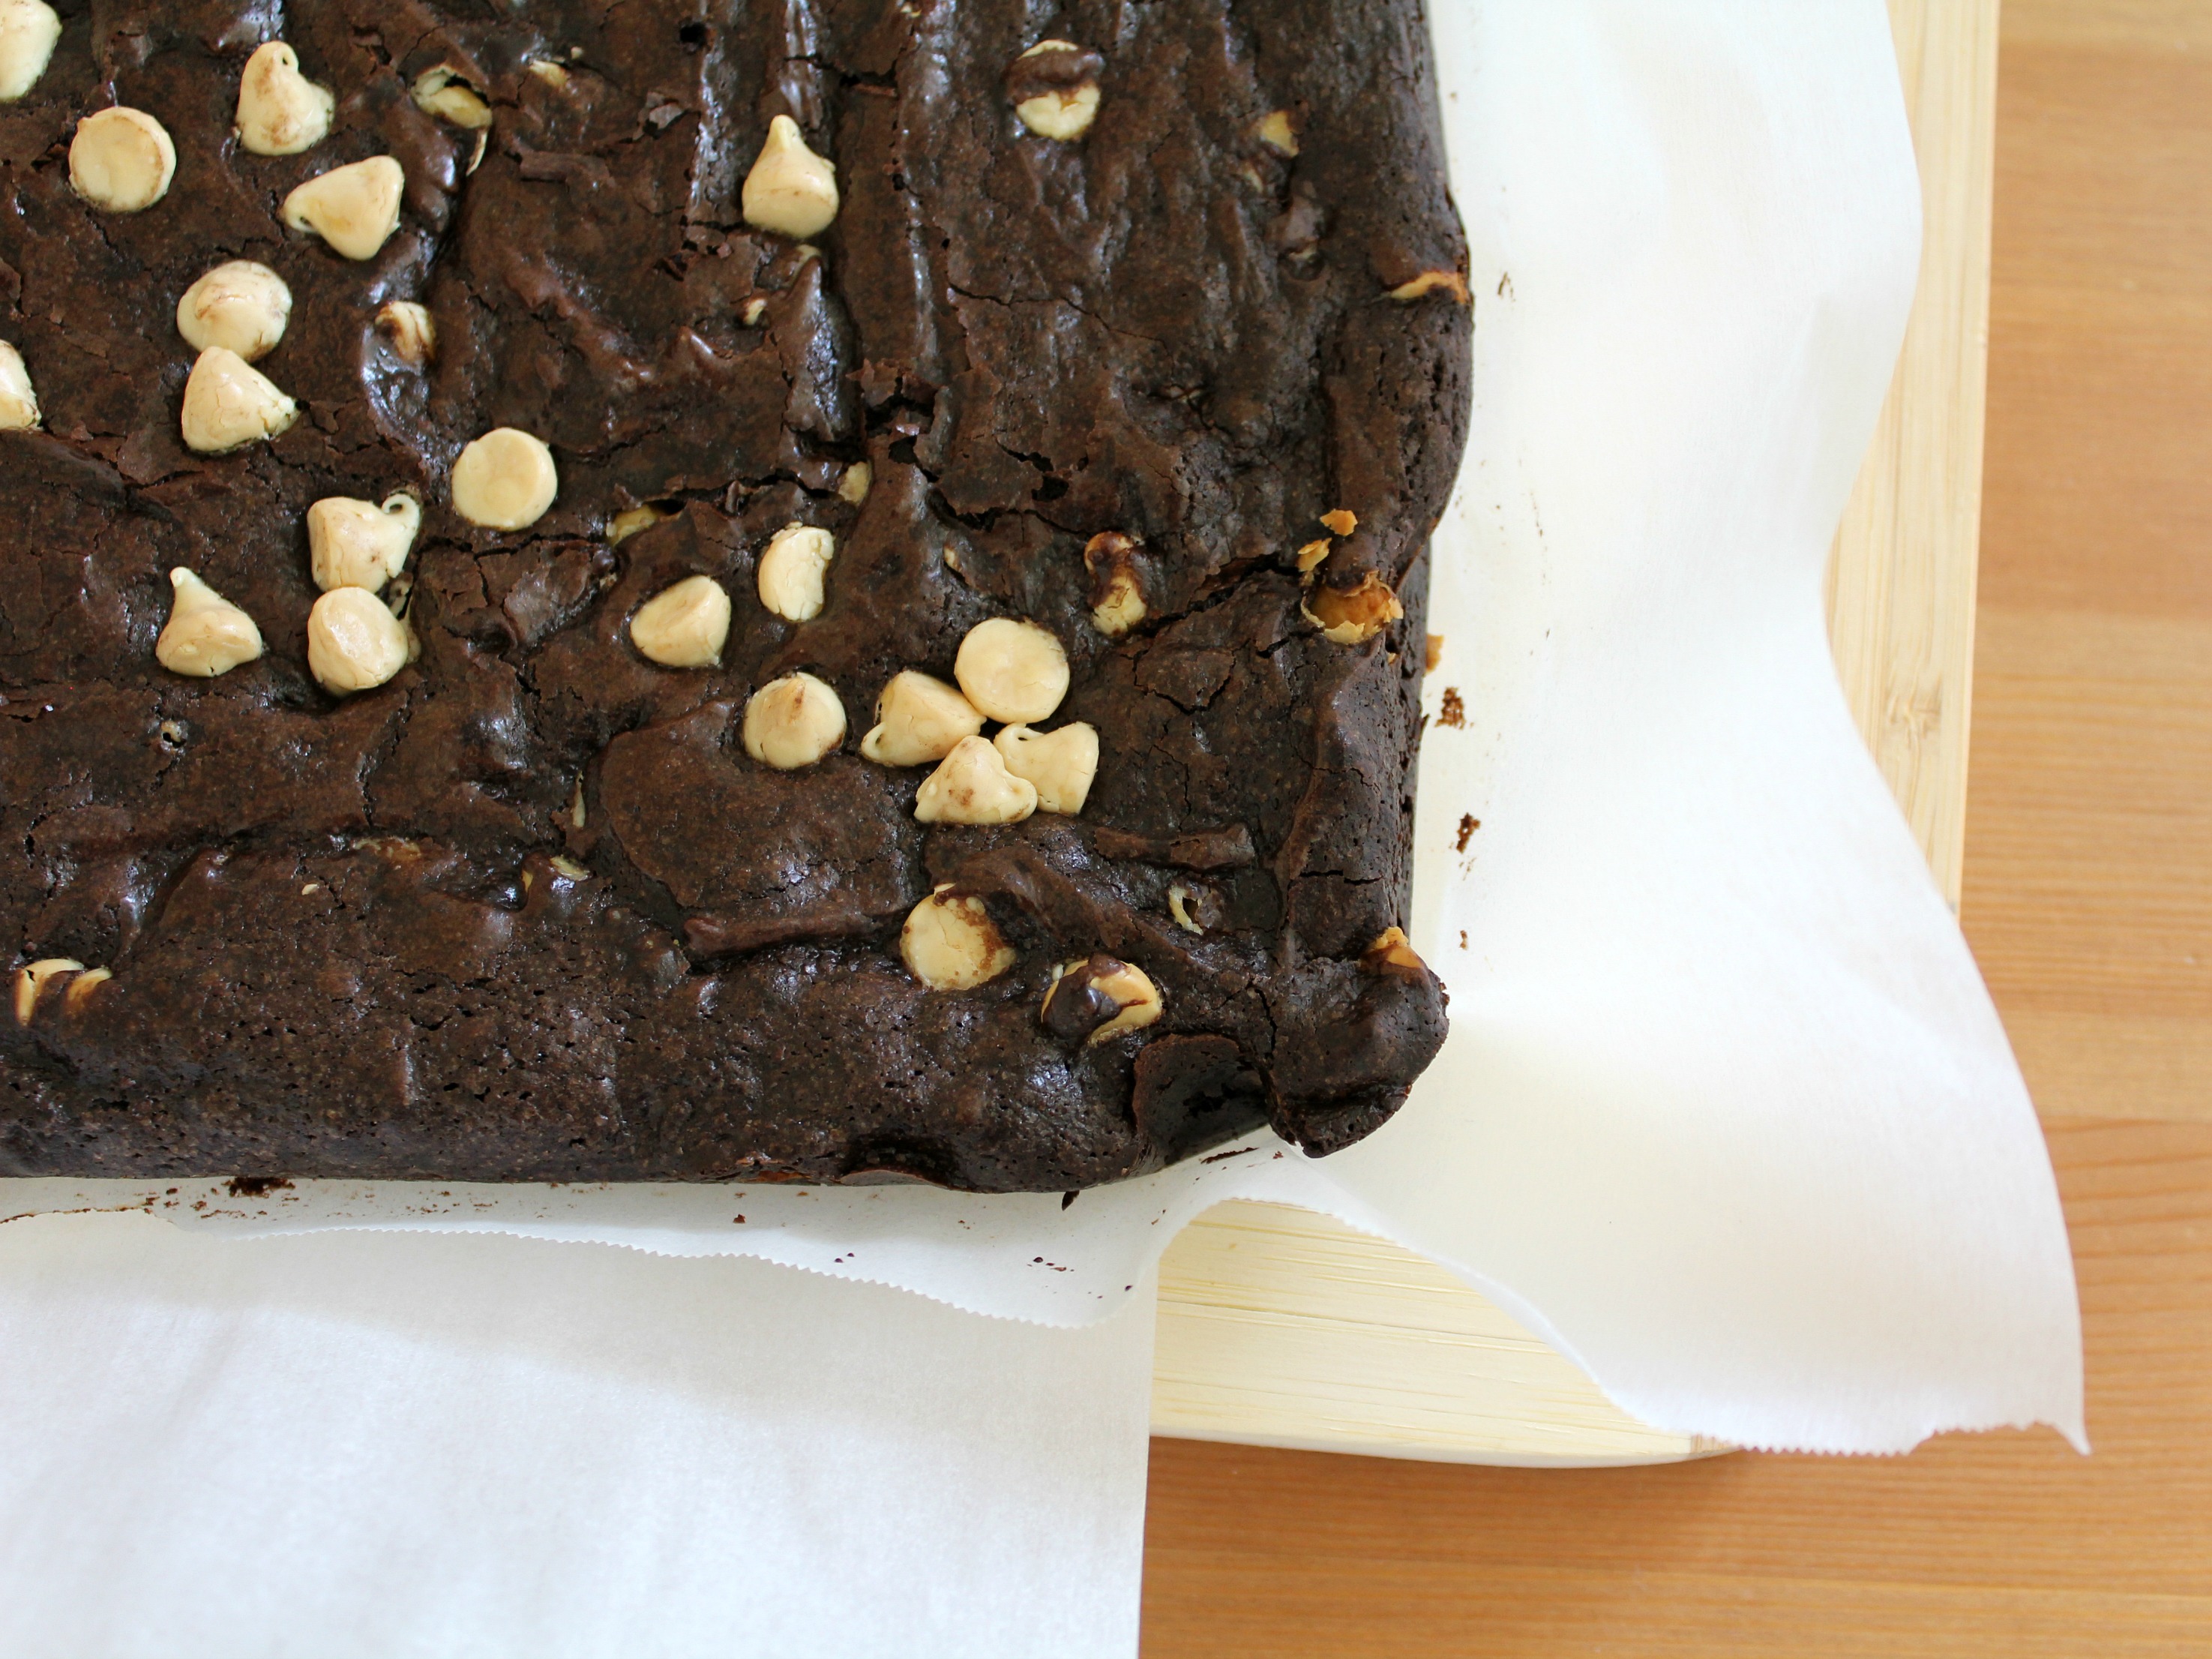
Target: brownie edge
(1148, 329)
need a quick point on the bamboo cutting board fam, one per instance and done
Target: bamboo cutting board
(1282, 1328)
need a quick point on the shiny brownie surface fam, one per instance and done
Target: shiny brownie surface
(528, 909)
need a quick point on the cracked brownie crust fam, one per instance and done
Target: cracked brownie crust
(530, 909)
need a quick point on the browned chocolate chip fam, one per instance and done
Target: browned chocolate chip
(1117, 589)
(1392, 954)
(1075, 1007)
(1354, 616)
(1098, 997)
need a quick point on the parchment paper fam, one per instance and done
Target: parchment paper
(1726, 1113)
(351, 1445)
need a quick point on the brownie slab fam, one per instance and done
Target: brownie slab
(1145, 326)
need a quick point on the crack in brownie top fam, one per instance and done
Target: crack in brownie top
(804, 590)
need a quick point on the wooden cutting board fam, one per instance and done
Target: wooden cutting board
(1282, 1328)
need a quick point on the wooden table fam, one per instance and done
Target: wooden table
(2087, 885)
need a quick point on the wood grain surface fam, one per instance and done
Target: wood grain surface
(1901, 578)
(2087, 896)
(1280, 1327)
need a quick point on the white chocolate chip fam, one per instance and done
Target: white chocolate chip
(951, 944)
(229, 403)
(78, 991)
(631, 519)
(32, 979)
(1179, 907)
(356, 544)
(793, 722)
(355, 208)
(755, 310)
(206, 635)
(411, 329)
(28, 29)
(280, 111)
(971, 784)
(918, 720)
(354, 641)
(790, 191)
(1122, 606)
(1117, 599)
(442, 93)
(505, 480)
(1060, 764)
(239, 306)
(552, 74)
(792, 569)
(854, 486)
(684, 625)
(1065, 113)
(1012, 670)
(19, 399)
(121, 160)
(1276, 132)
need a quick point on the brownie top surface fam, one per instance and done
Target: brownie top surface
(1142, 325)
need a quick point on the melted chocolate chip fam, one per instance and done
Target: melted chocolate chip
(1076, 1006)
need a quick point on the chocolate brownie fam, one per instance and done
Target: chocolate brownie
(801, 590)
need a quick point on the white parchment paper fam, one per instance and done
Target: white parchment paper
(353, 1445)
(1726, 1113)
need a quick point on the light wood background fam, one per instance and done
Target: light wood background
(2087, 896)
(1902, 577)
